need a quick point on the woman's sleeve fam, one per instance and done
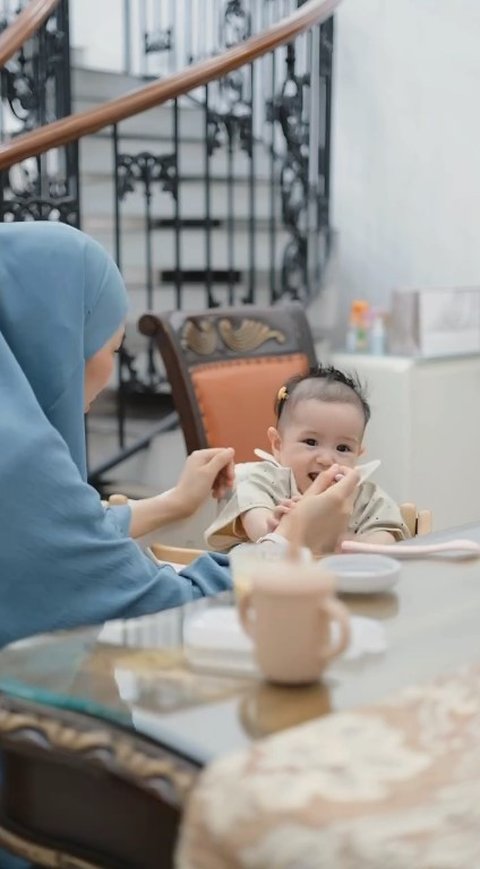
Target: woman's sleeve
(121, 516)
(66, 561)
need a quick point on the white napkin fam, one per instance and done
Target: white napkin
(215, 640)
(367, 638)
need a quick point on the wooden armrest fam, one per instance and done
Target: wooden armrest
(424, 522)
(177, 554)
(117, 500)
(409, 516)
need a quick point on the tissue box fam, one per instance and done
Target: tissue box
(435, 322)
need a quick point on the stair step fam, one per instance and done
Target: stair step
(100, 84)
(198, 276)
(96, 156)
(193, 295)
(153, 131)
(98, 201)
(192, 244)
(156, 121)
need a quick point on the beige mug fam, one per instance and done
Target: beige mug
(288, 612)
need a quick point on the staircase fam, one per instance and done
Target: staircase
(152, 132)
(209, 187)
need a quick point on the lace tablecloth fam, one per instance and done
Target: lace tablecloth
(395, 785)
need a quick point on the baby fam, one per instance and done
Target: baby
(321, 421)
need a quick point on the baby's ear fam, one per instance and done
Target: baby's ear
(275, 441)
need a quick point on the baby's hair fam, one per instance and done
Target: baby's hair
(325, 383)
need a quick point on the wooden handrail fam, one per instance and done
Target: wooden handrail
(90, 121)
(25, 25)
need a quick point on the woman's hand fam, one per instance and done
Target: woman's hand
(321, 516)
(206, 472)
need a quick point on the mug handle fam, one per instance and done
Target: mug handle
(338, 613)
(245, 612)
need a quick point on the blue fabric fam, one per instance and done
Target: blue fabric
(64, 560)
(8, 861)
(61, 299)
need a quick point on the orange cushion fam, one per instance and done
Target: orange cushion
(236, 399)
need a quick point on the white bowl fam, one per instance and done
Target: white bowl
(362, 573)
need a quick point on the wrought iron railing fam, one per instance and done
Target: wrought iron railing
(35, 89)
(229, 185)
(158, 37)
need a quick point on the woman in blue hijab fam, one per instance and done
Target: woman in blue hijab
(64, 559)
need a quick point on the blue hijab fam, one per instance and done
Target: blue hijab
(64, 560)
(61, 299)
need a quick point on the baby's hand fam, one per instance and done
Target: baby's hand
(282, 508)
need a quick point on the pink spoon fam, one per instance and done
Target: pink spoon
(449, 548)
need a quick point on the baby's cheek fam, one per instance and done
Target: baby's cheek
(303, 484)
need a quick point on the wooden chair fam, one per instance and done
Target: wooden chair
(225, 366)
(418, 522)
(175, 554)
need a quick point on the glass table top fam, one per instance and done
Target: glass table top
(135, 673)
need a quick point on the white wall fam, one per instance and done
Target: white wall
(406, 156)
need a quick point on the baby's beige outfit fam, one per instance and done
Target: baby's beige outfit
(265, 484)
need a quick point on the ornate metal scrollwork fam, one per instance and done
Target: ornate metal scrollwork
(35, 89)
(288, 110)
(132, 382)
(237, 23)
(231, 119)
(294, 193)
(230, 122)
(158, 41)
(231, 128)
(148, 169)
(29, 208)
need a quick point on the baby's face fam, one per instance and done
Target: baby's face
(317, 435)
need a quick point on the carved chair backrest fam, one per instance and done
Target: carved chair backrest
(225, 366)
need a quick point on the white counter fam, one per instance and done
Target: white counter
(425, 428)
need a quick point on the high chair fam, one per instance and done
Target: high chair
(418, 523)
(225, 366)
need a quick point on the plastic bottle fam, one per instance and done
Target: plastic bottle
(377, 336)
(351, 337)
(357, 333)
